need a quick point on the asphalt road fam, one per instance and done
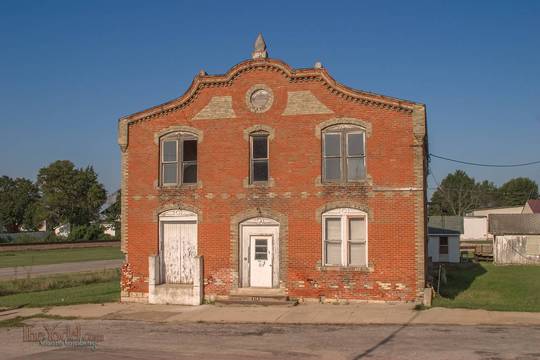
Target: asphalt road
(143, 340)
(21, 272)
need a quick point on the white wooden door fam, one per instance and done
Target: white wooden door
(179, 250)
(261, 257)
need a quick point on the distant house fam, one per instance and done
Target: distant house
(516, 238)
(443, 238)
(532, 207)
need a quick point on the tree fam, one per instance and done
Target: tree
(70, 195)
(456, 195)
(113, 212)
(18, 199)
(487, 194)
(517, 191)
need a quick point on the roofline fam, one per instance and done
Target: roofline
(497, 207)
(523, 233)
(454, 233)
(202, 80)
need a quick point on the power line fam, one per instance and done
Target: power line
(494, 192)
(485, 165)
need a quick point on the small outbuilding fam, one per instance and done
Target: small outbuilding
(443, 243)
(516, 238)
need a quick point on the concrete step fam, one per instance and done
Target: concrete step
(258, 301)
(257, 296)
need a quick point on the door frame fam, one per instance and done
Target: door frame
(174, 216)
(260, 226)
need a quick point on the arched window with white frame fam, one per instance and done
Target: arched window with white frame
(345, 237)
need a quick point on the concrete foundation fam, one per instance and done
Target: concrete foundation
(179, 294)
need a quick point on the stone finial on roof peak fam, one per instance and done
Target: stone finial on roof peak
(259, 48)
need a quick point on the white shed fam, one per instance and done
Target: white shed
(517, 238)
(443, 245)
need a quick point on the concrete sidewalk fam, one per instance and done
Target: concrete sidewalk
(301, 314)
(22, 272)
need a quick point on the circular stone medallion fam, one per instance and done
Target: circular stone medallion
(259, 98)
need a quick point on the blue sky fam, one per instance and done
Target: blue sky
(70, 69)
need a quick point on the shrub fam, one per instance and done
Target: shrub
(86, 233)
(5, 239)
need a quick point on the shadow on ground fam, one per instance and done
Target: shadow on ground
(456, 278)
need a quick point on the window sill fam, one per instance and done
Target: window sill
(367, 181)
(349, 268)
(258, 184)
(194, 186)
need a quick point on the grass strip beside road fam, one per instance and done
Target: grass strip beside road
(491, 287)
(66, 289)
(58, 256)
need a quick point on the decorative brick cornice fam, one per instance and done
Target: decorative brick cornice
(202, 81)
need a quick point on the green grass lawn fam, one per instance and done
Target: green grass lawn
(56, 256)
(64, 289)
(490, 287)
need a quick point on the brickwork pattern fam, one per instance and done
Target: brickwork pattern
(394, 196)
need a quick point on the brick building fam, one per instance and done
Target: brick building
(273, 181)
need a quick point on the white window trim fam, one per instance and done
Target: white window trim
(163, 162)
(344, 214)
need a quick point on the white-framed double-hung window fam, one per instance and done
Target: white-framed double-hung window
(345, 237)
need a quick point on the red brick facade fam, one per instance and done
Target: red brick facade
(216, 110)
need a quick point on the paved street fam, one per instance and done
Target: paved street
(146, 340)
(21, 272)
